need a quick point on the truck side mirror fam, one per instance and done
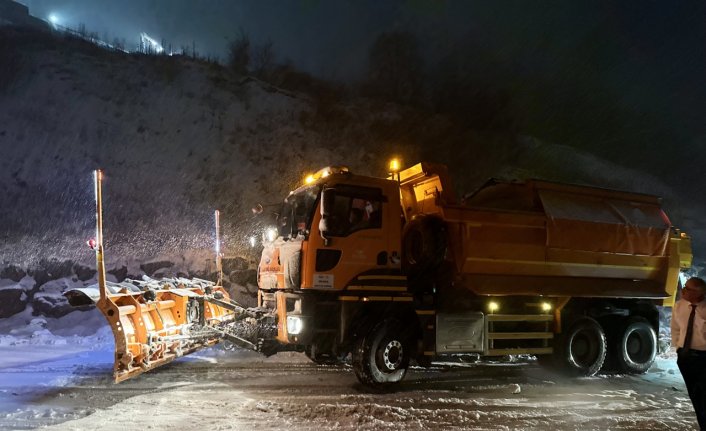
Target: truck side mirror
(328, 197)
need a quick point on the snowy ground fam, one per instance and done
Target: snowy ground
(56, 383)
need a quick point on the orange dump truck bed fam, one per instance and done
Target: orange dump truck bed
(543, 238)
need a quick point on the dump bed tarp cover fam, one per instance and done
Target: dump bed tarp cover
(610, 224)
(584, 218)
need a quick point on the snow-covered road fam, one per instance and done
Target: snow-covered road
(68, 387)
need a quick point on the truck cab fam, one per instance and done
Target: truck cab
(337, 243)
(359, 231)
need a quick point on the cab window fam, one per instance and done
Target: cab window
(355, 210)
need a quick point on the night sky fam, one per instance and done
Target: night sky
(331, 38)
(637, 67)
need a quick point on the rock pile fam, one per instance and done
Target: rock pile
(42, 285)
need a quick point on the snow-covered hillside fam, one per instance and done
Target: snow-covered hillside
(176, 138)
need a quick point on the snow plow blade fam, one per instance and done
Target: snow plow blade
(157, 321)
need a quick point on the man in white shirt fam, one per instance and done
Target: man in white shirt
(689, 337)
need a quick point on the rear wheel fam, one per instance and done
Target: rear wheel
(582, 348)
(611, 326)
(636, 346)
(382, 356)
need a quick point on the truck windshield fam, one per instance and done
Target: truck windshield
(297, 212)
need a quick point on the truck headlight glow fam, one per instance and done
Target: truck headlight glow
(294, 325)
(493, 306)
(271, 234)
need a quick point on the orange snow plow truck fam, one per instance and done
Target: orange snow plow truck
(393, 270)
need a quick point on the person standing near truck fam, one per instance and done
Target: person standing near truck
(689, 337)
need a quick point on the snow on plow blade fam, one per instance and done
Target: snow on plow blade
(157, 321)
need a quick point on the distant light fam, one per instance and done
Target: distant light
(309, 179)
(54, 19)
(546, 306)
(153, 45)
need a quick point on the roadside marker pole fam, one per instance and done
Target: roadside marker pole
(219, 265)
(100, 264)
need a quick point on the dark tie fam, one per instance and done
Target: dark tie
(689, 329)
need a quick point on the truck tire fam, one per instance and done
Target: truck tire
(582, 348)
(636, 346)
(382, 356)
(423, 247)
(611, 326)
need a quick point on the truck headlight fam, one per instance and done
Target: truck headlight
(271, 234)
(294, 325)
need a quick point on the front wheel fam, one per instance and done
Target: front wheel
(382, 356)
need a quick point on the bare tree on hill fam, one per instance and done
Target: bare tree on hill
(263, 59)
(239, 53)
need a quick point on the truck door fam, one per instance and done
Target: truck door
(358, 237)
